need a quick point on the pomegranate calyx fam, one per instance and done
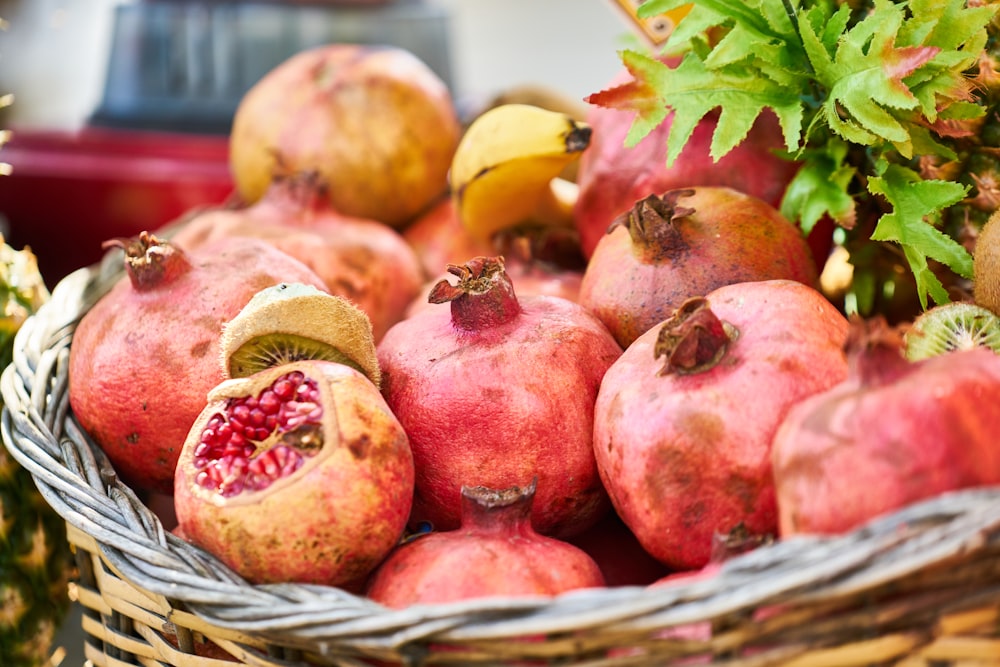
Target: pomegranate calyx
(495, 510)
(150, 261)
(874, 350)
(693, 340)
(305, 190)
(650, 223)
(483, 297)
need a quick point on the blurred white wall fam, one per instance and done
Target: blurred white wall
(53, 55)
(570, 45)
(52, 58)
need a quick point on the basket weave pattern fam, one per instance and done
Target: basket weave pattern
(918, 587)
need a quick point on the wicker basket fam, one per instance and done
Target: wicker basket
(919, 587)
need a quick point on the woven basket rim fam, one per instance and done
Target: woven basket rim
(73, 475)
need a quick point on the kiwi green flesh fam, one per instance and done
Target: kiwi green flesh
(950, 327)
(275, 349)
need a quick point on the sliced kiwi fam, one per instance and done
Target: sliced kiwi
(291, 322)
(951, 326)
(276, 349)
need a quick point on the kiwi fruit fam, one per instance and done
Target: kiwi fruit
(949, 327)
(986, 265)
(291, 322)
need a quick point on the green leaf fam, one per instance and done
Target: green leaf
(891, 81)
(926, 143)
(864, 77)
(951, 26)
(642, 95)
(916, 204)
(651, 8)
(693, 26)
(696, 90)
(820, 187)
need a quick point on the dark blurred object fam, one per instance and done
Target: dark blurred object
(184, 66)
(70, 191)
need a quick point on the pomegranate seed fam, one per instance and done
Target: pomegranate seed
(224, 432)
(291, 465)
(233, 449)
(231, 488)
(223, 456)
(283, 388)
(257, 417)
(270, 402)
(240, 413)
(256, 482)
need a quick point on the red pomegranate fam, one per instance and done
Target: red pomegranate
(297, 473)
(618, 553)
(495, 551)
(375, 121)
(686, 243)
(145, 356)
(613, 176)
(892, 433)
(497, 390)
(364, 261)
(683, 444)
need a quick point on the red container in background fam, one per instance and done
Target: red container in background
(157, 145)
(71, 191)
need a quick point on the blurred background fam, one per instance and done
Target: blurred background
(121, 107)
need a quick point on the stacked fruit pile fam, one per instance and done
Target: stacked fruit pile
(426, 362)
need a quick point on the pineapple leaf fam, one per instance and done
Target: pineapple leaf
(916, 204)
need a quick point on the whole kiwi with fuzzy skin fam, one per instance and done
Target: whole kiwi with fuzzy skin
(947, 327)
(986, 265)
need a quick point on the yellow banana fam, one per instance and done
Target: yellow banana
(506, 167)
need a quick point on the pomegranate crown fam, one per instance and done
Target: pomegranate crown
(149, 261)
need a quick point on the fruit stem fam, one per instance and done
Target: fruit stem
(484, 296)
(150, 262)
(694, 339)
(650, 223)
(497, 510)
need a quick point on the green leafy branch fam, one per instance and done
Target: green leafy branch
(886, 81)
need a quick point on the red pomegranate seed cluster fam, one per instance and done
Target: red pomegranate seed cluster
(229, 456)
